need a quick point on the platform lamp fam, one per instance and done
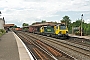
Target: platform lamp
(0, 13)
(81, 23)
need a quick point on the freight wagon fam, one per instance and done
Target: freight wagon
(31, 29)
(34, 29)
(25, 28)
(18, 29)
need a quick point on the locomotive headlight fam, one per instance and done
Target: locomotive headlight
(60, 32)
(66, 31)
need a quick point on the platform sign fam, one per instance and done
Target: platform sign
(0, 13)
(76, 28)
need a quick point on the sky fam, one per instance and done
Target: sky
(30, 11)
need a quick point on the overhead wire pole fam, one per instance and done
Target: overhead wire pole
(81, 23)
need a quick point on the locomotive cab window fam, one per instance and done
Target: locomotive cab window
(62, 27)
(56, 27)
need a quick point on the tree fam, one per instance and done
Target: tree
(77, 23)
(88, 29)
(25, 24)
(66, 20)
(33, 23)
(43, 21)
(15, 26)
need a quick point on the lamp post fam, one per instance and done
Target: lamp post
(81, 23)
(0, 13)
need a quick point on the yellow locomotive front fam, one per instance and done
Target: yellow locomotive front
(61, 30)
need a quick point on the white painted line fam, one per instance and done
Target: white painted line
(23, 45)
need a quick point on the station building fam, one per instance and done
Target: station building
(2, 23)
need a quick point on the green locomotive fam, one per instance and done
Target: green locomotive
(58, 31)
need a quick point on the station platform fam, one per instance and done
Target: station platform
(85, 37)
(12, 48)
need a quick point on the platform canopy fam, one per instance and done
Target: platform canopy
(44, 24)
(9, 25)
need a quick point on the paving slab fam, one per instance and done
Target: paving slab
(24, 53)
(86, 37)
(8, 47)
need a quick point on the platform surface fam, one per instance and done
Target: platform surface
(86, 37)
(8, 47)
(12, 48)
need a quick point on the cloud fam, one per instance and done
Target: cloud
(32, 10)
(87, 21)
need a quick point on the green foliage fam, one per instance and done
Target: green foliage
(25, 29)
(33, 23)
(14, 26)
(87, 29)
(77, 23)
(43, 21)
(85, 26)
(25, 24)
(2, 32)
(66, 20)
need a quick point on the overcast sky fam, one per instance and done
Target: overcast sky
(29, 11)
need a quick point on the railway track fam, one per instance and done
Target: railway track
(37, 52)
(80, 43)
(41, 50)
(73, 50)
(84, 42)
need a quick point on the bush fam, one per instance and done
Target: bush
(2, 31)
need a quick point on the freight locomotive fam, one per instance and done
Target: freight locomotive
(53, 30)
